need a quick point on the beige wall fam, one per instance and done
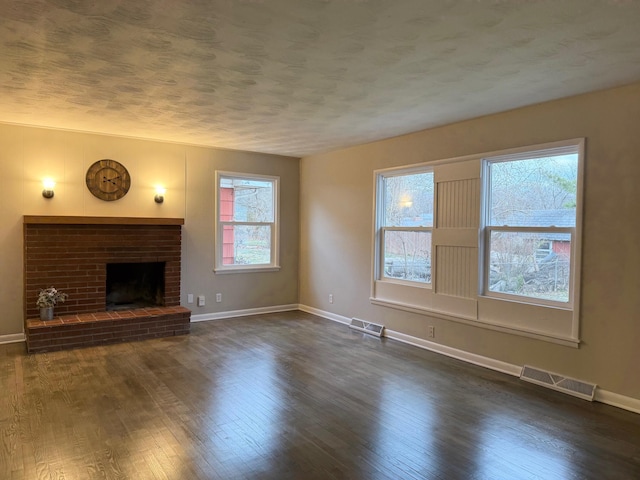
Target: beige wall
(336, 229)
(30, 154)
(242, 290)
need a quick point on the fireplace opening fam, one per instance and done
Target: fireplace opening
(135, 285)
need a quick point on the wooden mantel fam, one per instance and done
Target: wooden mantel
(70, 220)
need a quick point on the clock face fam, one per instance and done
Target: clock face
(108, 180)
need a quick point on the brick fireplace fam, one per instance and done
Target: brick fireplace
(73, 254)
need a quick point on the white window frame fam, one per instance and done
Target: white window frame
(489, 229)
(522, 316)
(558, 321)
(381, 230)
(568, 148)
(381, 265)
(274, 263)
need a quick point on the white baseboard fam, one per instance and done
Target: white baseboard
(617, 400)
(603, 396)
(328, 315)
(12, 338)
(205, 317)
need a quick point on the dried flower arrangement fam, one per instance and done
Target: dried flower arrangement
(49, 297)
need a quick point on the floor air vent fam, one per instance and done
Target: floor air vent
(366, 327)
(574, 387)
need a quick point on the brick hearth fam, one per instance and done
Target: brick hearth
(71, 253)
(101, 328)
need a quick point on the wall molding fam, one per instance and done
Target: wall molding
(328, 315)
(603, 396)
(617, 400)
(12, 338)
(205, 317)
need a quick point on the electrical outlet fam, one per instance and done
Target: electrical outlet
(190, 298)
(432, 331)
(218, 297)
(201, 300)
(331, 298)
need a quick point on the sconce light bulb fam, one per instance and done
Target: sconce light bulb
(160, 191)
(48, 185)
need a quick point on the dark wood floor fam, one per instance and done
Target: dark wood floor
(293, 396)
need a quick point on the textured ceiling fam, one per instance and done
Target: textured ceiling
(297, 77)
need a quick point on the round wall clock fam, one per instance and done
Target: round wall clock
(108, 180)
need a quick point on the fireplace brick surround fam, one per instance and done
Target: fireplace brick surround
(71, 253)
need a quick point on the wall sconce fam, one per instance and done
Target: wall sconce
(48, 185)
(160, 191)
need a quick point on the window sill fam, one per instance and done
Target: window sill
(250, 269)
(521, 300)
(406, 283)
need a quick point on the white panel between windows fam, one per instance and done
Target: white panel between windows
(458, 203)
(455, 237)
(457, 271)
(422, 300)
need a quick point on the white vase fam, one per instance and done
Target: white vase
(46, 313)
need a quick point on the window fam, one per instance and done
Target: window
(405, 222)
(530, 226)
(246, 222)
(491, 240)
